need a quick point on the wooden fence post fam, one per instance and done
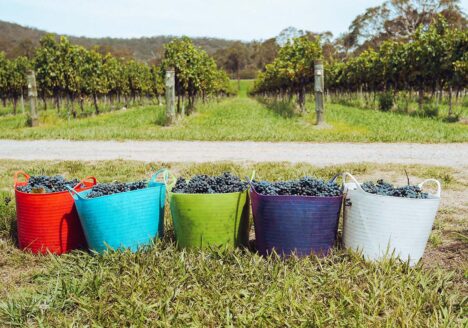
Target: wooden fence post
(319, 90)
(32, 94)
(170, 96)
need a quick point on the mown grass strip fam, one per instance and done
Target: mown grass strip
(239, 119)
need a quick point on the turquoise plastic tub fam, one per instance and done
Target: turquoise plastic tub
(125, 220)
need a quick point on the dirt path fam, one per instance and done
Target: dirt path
(454, 155)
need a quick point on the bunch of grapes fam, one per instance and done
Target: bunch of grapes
(204, 184)
(46, 184)
(386, 189)
(104, 189)
(306, 186)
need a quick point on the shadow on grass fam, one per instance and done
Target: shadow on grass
(13, 232)
(10, 230)
(8, 227)
(284, 107)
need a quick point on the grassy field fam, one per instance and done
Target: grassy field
(406, 106)
(239, 118)
(161, 286)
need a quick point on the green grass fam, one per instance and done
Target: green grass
(162, 286)
(243, 87)
(239, 118)
(404, 105)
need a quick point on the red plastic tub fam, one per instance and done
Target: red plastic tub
(49, 222)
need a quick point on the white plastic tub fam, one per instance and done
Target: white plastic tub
(381, 226)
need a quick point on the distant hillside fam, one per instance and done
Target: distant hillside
(16, 39)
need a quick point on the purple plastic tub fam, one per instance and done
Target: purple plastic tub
(295, 224)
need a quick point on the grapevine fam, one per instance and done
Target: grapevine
(64, 69)
(434, 59)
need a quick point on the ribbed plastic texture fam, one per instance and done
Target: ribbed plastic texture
(380, 226)
(48, 222)
(206, 220)
(124, 220)
(295, 224)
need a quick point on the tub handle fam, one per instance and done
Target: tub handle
(250, 180)
(347, 174)
(155, 176)
(20, 173)
(166, 175)
(75, 194)
(439, 188)
(334, 178)
(93, 179)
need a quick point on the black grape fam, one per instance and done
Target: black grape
(386, 189)
(204, 184)
(104, 189)
(306, 186)
(47, 184)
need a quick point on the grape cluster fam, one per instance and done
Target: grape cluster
(386, 189)
(47, 184)
(204, 184)
(104, 189)
(306, 186)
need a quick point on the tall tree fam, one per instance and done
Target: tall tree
(400, 19)
(235, 59)
(265, 53)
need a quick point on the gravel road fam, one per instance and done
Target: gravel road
(454, 155)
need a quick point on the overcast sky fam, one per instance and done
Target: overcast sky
(232, 19)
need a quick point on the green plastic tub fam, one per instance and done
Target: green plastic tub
(210, 220)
